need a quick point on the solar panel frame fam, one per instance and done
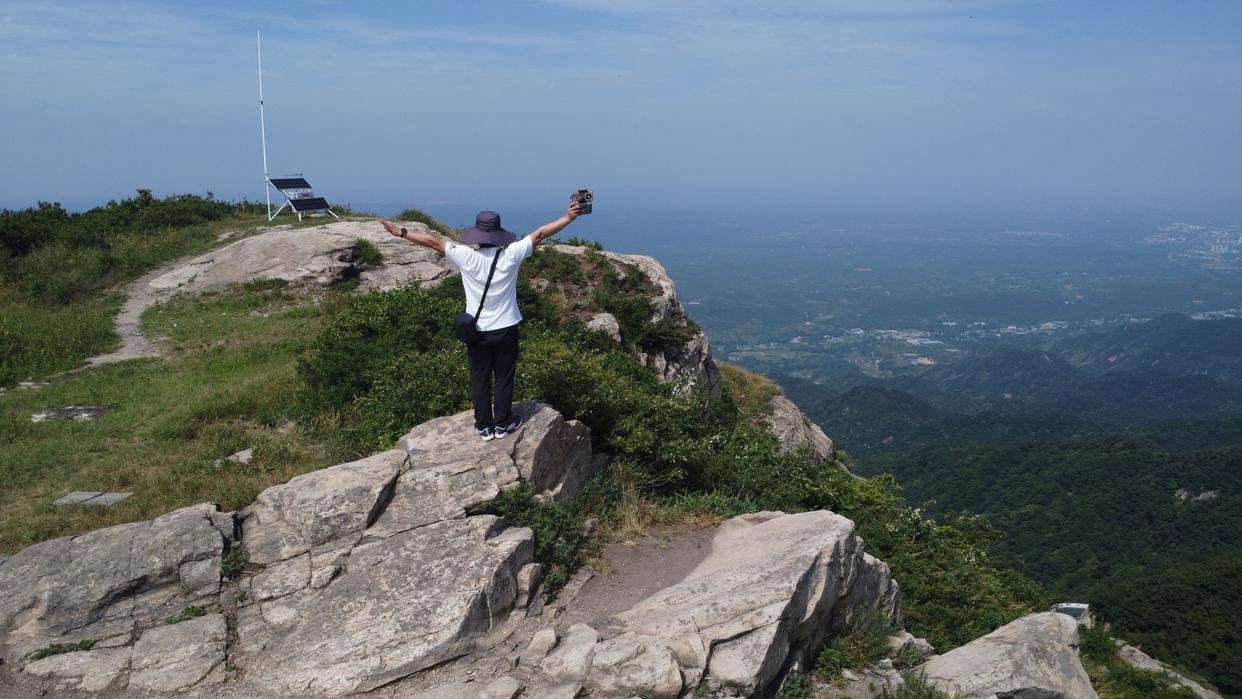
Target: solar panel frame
(287, 183)
(310, 204)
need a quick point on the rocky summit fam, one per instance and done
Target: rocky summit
(360, 575)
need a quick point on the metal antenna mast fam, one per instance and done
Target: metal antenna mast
(267, 193)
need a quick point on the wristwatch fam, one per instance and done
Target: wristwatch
(403, 232)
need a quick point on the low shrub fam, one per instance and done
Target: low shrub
(864, 642)
(420, 216)
(234, 562)
(368, 254)
(914, 686)
(190, 612)
(559, 533)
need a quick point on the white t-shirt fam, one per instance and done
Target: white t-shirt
(501, 309)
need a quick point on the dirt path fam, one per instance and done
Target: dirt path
(635, 571)
(138, 298)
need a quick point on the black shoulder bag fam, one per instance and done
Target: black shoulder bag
(466, 326)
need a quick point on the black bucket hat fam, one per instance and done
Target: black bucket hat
(487, 231)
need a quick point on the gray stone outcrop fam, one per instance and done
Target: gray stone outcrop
(309, 257)
(1137, 658)
(1035, 656)
(689, 366)
(756, 608)
(357, 575)
(796, 432)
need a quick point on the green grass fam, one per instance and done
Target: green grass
(227, 383)
(57, 309)
(58, 648)
(751, 392)
(864, 642)
(186, 614)
(915, 686)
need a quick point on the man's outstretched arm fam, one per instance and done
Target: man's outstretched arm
(427, 240)
(548, 230)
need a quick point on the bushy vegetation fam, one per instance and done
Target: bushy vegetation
(560, 535)
(914, 686)
(234, 562)
(55, 267)
(53, 255)
(864, 642)
(581, 285)
(368, 254)
(387, 361)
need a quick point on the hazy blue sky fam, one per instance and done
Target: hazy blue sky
(787, 102)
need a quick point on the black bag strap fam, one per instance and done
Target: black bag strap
(492, 271)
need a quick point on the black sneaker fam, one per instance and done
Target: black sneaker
(486, 434)
(504, 430)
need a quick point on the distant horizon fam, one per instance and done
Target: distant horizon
(889, 105)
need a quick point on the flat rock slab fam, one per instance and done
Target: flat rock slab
(75, 413)
(87, 497)
(307, 257)
(1035, 656)
(111, 586)
(77, 497)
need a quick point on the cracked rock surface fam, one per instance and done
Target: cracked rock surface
(358, 575)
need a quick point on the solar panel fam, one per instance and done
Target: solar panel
(283, 183)
(312, 204)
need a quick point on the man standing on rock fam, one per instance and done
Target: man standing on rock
(495, 350)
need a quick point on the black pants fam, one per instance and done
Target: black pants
(495, 352)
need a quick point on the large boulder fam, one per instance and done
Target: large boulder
(375, 569)
(549, 453)
(759, 606)
(1035, 656)
(307, 257)
(796, 432)
(689, 366)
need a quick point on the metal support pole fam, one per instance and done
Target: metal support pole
(267, 185)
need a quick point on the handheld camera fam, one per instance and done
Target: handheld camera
(582, 198)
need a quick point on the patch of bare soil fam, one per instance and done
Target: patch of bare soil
(628, 573)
